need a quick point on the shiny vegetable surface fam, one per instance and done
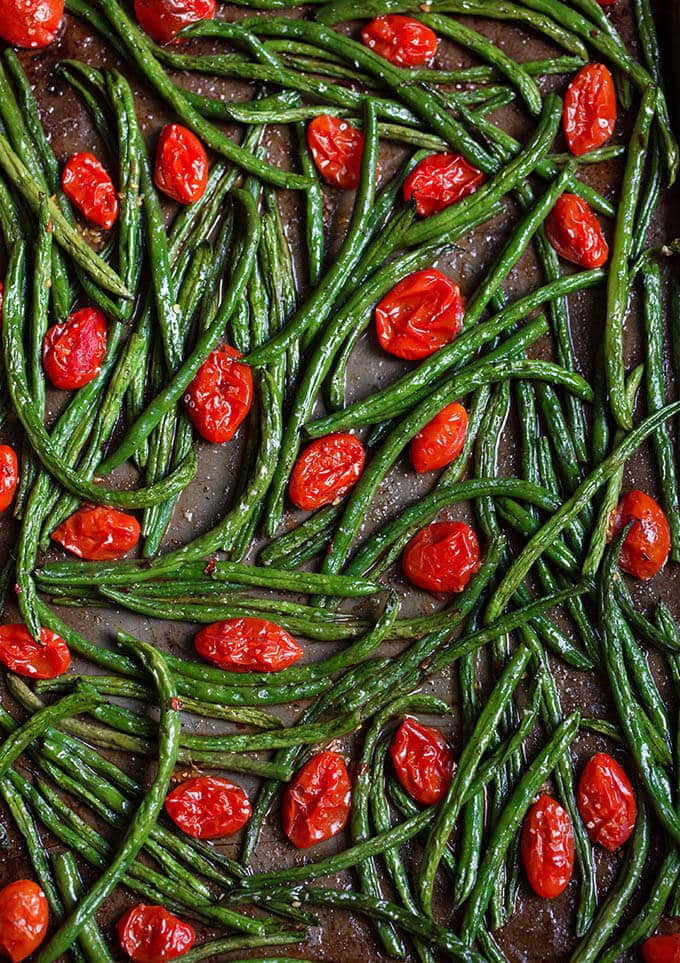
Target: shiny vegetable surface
(316, 802)
(326, 470)
(440, 180)
(30, 23)
(589, 109)
(247, 645)
(422, 761)
(24, 916)
(73, 352)
(442, 557)
(89, 187)
(336, 148)
(220, 396)
(9, 476)
(208, 807)
(163, 19)
(646, 547)
(441, 440)
(20, 653)
(150, 934)
(547, 847)
(606, 801)
(575, 233)
(98, 534)
(421, 314)
(181, 168)
(401, 40)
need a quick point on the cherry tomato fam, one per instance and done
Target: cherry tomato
(150, 934)
(98, 534)
(247, 645)
(606, 3)
(606, 801)
(21, 654)
(316, 802)
(220, 396)
(547, 847)
(207, 807)
(421, 313)
(24, 916)
(163, 19)
(9, 472)
(422, 761)
(88, 186)
(326, 470)
(442, 557)
(336, 148)
(401, 40)
(73, 352)
(181, 169)
(589, 112)
(439, 181)
(441, 440)
(30, 23)
(648, 543)
(575, 233)
(662, 949)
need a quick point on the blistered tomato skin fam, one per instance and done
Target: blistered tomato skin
(421, 314)
(247, 645)
(30, 23)
(575, 233)
(439, 181)
(336, 147)
(9, 476)
(21, 654)
(150, 934)
(648, 543)
(316, 803)
(163, 19)
(89, 187)
(547, 847)
(208, 807)
(442, 557)
(422, 761)
(24, 915)
(98, 534)
(606, 802)
(401, 40)
(662, 949)
(73, 352)
(441, 440)
(220, 396)
(589, 112)
(181, 169)
(326, 470)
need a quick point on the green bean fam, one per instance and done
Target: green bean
(72, 889)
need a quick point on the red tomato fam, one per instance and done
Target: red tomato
(220, 396)
(662, 949)
(648, 543)
(30, 23)
(606, 801)
(422, 761)
(547, 847)
(326, 470)
(401, 40)
(442, 557)
(23, 919)
(163, 19)
(589, 112)
(88, 186)
(575, 233)
(247, 645)
(181, 169)
(208, 807)
(98, 534)
(336, 148)
(316, 802)
(421, 313)
(21, 654)
(441, 440)
(150, 934)
(9, 472)
(440, 180)
(73, 352)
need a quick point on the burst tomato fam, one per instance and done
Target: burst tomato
(21, 654)
(441, 440)
(163, 19)
(326, 470)
(316, 802)
(73, 352)
(98, 534)
(247, 645)
(181, 169)
(9, 474)
(422, 761)
(30, 23)
(648, 543)
(606, 801)
(662, 949)
(336, 148)
(150, 934)
(547, 847)
(439, 181)
(589, 112)
(442, 557)
(575, 233)
(208, 807)
(220, 396)
(89, 187)
(401, 40)
(23, 919)
(421, 313)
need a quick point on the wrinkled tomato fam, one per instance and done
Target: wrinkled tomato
(422, 761)
(589, 112)
(441, 440)
(73, 352)
(316, 802)
(181, 169)
(606, 801)
(98, 534)
(421, 313)
(247, 645)
(662, 949)
(547, 847)
(9, 475)
(439, 181)
(89, 187)
(648, 543)
(442, 557)
(150, 934)
(21, 654)
(336, 148)
(208, 807)
(401, 40)
(326, 470)
(30, 23)
(220, 396)
(575, 233)
(163, 19)
(23, 919)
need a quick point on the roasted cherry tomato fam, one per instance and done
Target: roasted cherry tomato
(662, 949)
(441, 440)
(422, 761)
(606, 801)
(73, 352)
(439, 181)
(421, 313)
(150, 934)
(220, 396)
(181, 169)
(442, 557)
(163, 19)
(575, 233)
(336, 148)
(23, 919)
(589, 112)
(9, 473)
(316, 802)
(21, 654)
(30, 23)
(326, 470)
(648, 543)
(547, 847)
(247, 645)
(401, 40)
(208, 807)
(98, 534)
(88, 186)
